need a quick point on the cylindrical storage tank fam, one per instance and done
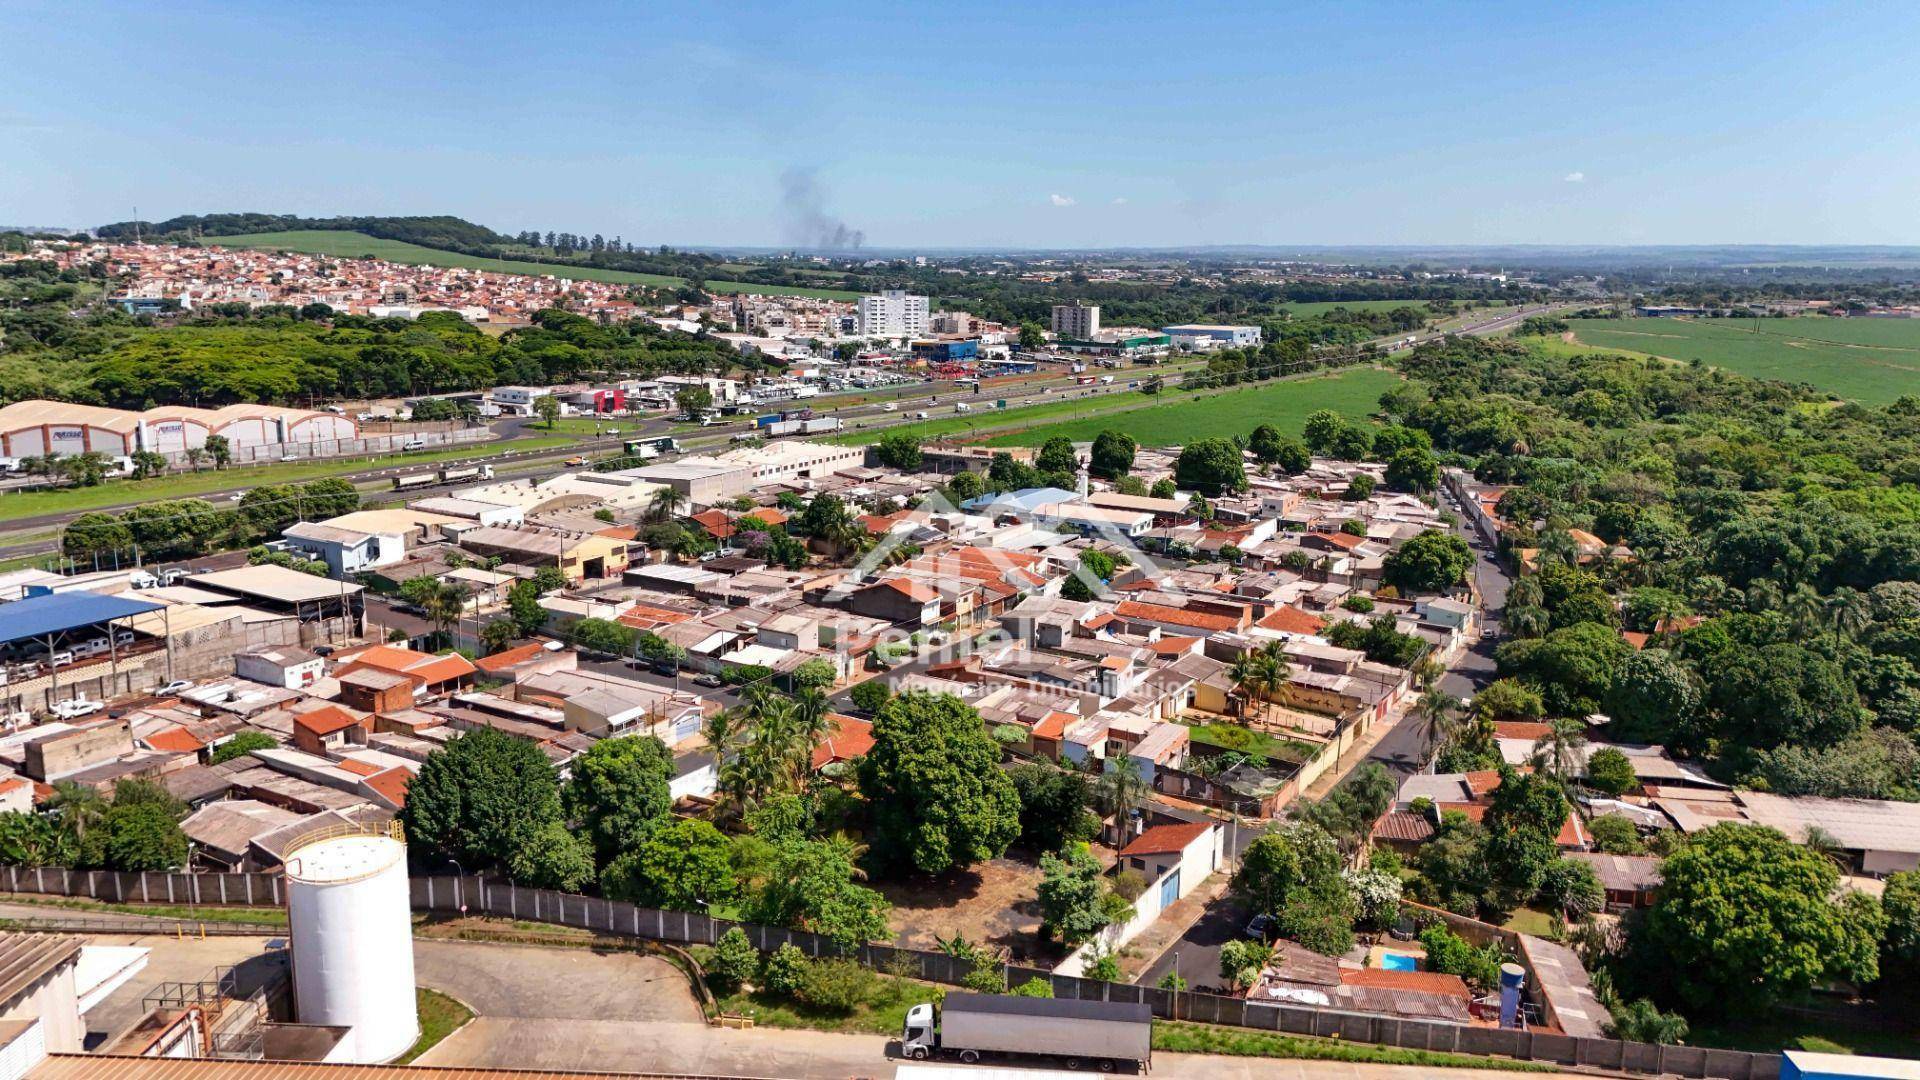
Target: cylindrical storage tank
(352, 933)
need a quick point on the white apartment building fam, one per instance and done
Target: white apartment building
(893, 314)
(1077, 322)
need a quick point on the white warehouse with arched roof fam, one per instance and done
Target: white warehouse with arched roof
(63, 428)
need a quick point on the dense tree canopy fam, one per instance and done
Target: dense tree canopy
(937, 795)
(1747, 917)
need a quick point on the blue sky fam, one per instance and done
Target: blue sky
(1034, 124)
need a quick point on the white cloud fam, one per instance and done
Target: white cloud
(1119, 200)
(1060, 200)
(1576, 178)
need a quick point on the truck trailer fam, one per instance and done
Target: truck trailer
(968, 1026)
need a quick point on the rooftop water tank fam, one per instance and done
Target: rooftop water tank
(352, 933)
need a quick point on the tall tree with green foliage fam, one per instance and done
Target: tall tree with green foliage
(1747, 918)
(1070, 892)
(1523, 822)
(618, 792)
(898, 450)
(1211, 467)
(480, 798)
(1433, 561)
(683, 865)
(1112, 455)
(1053, 806)
(938, 798)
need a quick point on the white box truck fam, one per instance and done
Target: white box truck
(967, 1026)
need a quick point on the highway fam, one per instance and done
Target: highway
(936, 399)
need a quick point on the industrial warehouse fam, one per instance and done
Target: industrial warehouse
(59, 428)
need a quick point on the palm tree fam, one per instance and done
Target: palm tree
(1528, 622)
(1440, 711)
(1804, 608)
(1120, 790)
(443, 605)
(1558, 752)
(1248, 677)
(1525, 592)
(1850, 611)
(1278, 674)
(79, 807)
(666, 504)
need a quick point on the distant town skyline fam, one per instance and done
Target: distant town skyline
(1045, 126)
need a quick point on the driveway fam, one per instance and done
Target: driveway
(540, 984)
(1196, 956)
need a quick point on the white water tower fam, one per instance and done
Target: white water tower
(352, 934)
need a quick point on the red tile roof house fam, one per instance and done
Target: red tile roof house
(848, 738)
(1174, 858)
(901, 601)
(432, 674)
(330, 727)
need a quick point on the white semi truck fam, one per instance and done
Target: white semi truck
(968, 1026)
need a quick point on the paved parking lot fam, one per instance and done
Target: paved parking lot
(526, 983)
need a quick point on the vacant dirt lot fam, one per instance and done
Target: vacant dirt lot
(992, 903)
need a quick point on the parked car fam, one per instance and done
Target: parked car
(1262, 928)
(75, 708)
(414, 444)
(175, 687)
(708, 679)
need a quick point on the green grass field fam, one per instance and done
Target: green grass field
(26, 504)
(1309, 308)
(1872, 361)
(352, 245)
(1285, 405)
(1170, 418)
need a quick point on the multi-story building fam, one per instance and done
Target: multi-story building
(1077, 321)
(894, 313)
(1238, 337)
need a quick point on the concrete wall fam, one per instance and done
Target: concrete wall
(475, 895)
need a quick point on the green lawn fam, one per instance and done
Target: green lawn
(1181, 1037)
(1306, 309)
(1171, 417)
(1790, 1033)
(1872, 361)
(182, 485)
(1247, 740)
(587, 425)
(1182, 419)
(440, 1016)
(353, 245)
(272, 915)
(883, 1012)
(1529, 921)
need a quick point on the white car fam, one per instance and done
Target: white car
(414, 444)
(78, 707)
(888, 406)
(175, 687)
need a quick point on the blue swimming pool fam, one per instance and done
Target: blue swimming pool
(1394, 961)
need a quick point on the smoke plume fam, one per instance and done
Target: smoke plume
(807, 223)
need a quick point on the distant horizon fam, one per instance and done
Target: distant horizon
(1407, 251)
(1052, 126)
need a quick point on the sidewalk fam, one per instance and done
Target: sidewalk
(1357, 753)
(1145, 950)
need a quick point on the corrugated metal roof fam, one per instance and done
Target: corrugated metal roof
(24, 958)
(38, 616)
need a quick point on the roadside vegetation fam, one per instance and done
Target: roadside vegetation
(440, 1016)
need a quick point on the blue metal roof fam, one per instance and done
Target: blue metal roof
(51, 613)
(1022, 501)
